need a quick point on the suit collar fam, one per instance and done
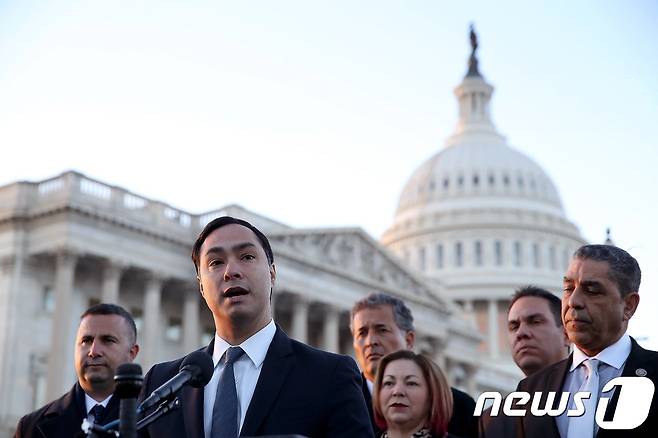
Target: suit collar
(638, 363)
(276, 367)
(64, 416)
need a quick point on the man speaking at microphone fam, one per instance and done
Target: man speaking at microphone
(264, 383)
(106, 338)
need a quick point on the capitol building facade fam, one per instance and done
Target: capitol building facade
(474, 222)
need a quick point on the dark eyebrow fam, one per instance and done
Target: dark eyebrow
(238, 247)
(591, 283)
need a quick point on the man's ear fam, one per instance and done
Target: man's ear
(272, 273)
(410, 339)
(200, 285)
(133, 351)
(631, 301)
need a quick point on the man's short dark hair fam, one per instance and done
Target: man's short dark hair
(113, 309)
(401, 313)
(554, 303)
(624, 269)
(223, 221)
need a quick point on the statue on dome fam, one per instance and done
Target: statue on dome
(473, 61)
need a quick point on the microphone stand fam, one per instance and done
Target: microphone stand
(110, 428)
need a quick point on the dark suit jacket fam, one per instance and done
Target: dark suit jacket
(61, 418)
(462, 423)
(552, 379)
(500, 426)
(300, 390)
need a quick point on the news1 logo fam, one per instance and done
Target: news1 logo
(633, 404)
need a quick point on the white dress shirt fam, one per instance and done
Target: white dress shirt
(246, 369)
(90, 403)
(612, 360)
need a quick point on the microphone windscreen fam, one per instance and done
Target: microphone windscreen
(128, 370)
(199, 363)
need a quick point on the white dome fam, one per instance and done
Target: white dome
(475, 174)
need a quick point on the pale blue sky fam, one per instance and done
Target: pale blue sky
(315, 113)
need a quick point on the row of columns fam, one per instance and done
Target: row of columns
(330, 324)
(150, 334)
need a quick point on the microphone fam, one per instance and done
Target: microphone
(128, 380)
(196, 370)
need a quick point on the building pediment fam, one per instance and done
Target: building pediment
(353, 252)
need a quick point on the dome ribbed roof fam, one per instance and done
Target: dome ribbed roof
(477, 174)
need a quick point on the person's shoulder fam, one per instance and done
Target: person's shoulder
(540, 377)
(462, 398)
(29, 421)
(164, 370)
(312, 353)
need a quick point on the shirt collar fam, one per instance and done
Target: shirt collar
(614, 355)
(90, 402)
(255, 346)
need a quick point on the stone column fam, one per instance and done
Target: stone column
(111, 277)
(191, 327)
(493, 329)
(468, 310)
(60, 338)
(471, 383)
(300, 318)
(330, 329)
(150, 339)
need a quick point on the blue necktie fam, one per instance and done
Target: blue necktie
(97, 411)
(225, 410)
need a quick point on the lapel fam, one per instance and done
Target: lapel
(64, 416)
(637, 364)
(276, 367)
(546, 426)
(192, 402)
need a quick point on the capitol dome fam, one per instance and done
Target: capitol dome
(480, 219)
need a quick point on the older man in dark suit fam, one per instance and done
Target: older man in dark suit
(600, 297)
(106, 338)
(264, 383)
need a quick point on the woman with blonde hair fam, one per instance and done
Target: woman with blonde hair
(411, 397)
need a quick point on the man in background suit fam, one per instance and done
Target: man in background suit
(382, 324)
(600, 297)
(537, 339)
(264, 383)
(106, 338)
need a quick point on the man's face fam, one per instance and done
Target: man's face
(534, 336)
(593, 311)
(236, 279)
(103, 342)
(375, 335)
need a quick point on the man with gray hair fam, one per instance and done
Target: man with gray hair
(600, 297)
(382, 324)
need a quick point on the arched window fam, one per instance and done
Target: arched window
(518, 256)
(459, 254)
(536, 255)
(478, 253)
(498, 252)
(439, 256)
